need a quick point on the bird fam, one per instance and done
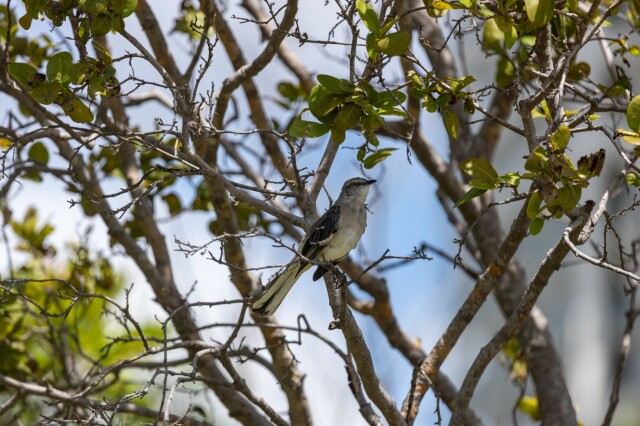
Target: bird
(329, 239)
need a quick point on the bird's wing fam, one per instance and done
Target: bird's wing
(321, 233)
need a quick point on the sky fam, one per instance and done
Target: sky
(404, 213)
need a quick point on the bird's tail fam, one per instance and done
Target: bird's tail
(275, 293)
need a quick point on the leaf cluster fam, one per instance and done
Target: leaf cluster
(380, 40)
(64, 78)
(557, 182)
(50, 319)
(341, 105)
(95, 17)
(440, 94)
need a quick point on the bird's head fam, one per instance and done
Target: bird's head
(357, 188)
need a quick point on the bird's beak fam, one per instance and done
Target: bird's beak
(369, 182)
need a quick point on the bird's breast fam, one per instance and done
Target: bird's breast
(347, 237)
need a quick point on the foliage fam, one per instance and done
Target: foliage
(59, 323)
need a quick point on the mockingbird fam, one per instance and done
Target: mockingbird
(330, 239)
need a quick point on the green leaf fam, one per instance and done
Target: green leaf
(361, 153)
(450, 120)
(504, 23)
(417, 86)
(469, 106)
(539, 12)
(84, 31)
(117, 24)
(371, 122)
(536, 226)
(129, 7)
(368, 89)
(376, 157)
(34, 7)
(633, 114)
(388, 25)
(470, 195)
(578, 71)
(512, 349)
(492, 37)
(542, 111)
(368, 16)
(95, 86)
(394, 44)
(59, 67)
(24, 73)
(529, 405)
(5, 143)
(510, 34)
(505, 72)
(459, 84)
(101, 24)
(483, 174)
(467, 80)
(430, 104)
(444, 100)
(25, 21)
(102, 53)
(288, 91)
(511, 178)
(448, 5)
(33, 176)
(567, 197)
(481, 184)
(388, 98)
(173, 202)
(560, 138)
(533, 206)
(372, 139)
(372, 48)
(347, 118)
(46, 93)
(563, 166)
(537, 160)
(633, 179)
(530, 176)
(510, 37)
(322, 101)
(336, 85)
(630, 137)
(308, 129)
(82, 69)
(436, 11)
(393, 111)
(76, 110)
(38, 153)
